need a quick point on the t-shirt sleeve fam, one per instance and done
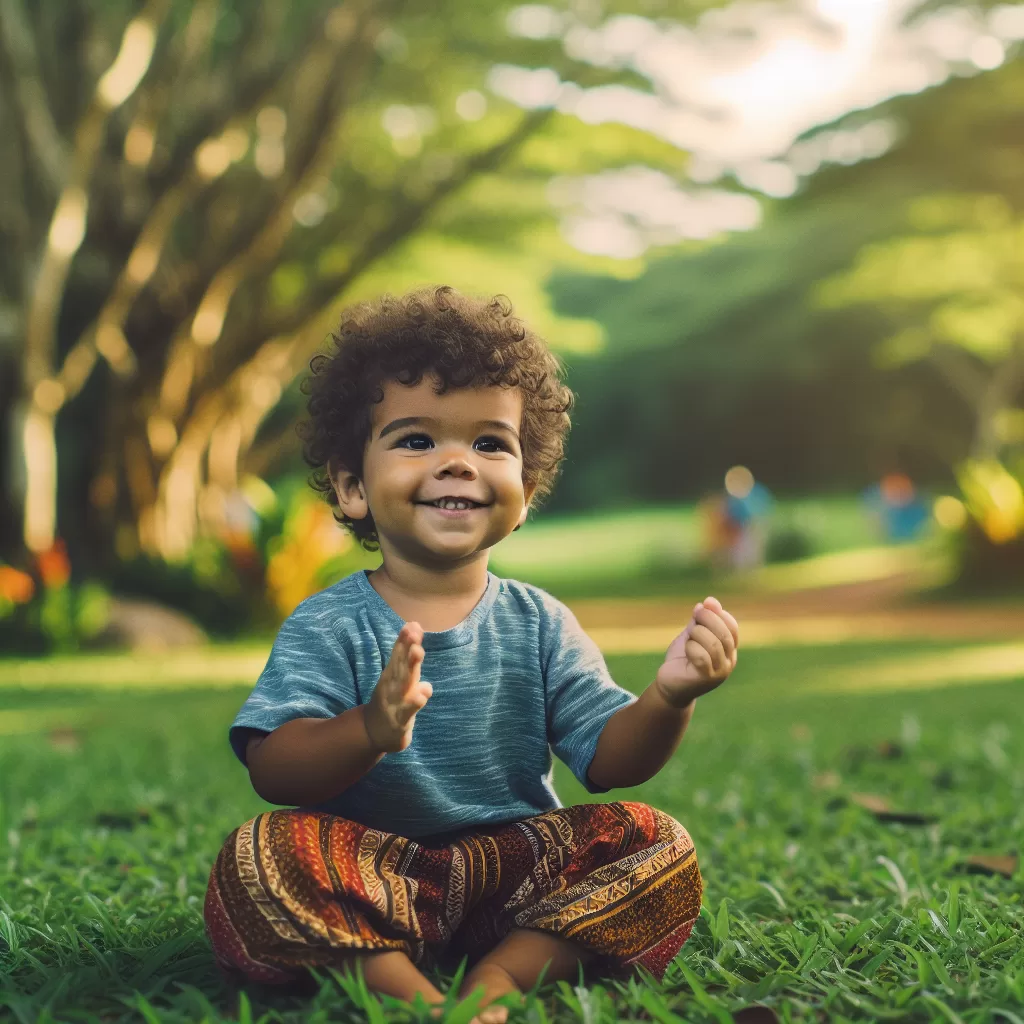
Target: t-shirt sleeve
(580, 693)
(308, 675)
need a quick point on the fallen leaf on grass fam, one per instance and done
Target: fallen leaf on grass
(883, 810)
(65, 738)
(827, 780)
(755, 1015)
(871, 802)
(889, 750)
(992, 864)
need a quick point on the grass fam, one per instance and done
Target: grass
(114, 802)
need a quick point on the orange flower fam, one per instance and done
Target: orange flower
(16, 586)
(54, 566)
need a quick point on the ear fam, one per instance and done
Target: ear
(528, 490)
(350, 491)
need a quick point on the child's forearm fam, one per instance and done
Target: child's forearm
(309, 760)
(638, 740)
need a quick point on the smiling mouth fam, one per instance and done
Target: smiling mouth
(468, 505)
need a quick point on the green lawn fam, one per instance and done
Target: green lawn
(813, 906)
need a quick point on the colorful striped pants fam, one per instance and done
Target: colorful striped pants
(295, 889)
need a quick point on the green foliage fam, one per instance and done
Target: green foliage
(273, 162)
(56, 620)
(222, 593)
(787, 544)
(961, 286)
(565, 145)
(897, 278)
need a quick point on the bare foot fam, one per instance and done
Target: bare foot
(496, 982)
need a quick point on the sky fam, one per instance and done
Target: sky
(735, 91)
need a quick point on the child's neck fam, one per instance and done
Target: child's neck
(437, 600)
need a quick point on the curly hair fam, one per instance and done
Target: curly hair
(465, 342)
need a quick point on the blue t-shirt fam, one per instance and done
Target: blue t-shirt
(516, 679)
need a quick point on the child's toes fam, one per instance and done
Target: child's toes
(492, 1015)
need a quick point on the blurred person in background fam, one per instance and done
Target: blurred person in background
(735, 522)
(898, 510)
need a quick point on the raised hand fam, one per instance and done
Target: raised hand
(399, 693)
(701, 657)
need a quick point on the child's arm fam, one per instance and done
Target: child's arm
(638, 740)
(307, 761)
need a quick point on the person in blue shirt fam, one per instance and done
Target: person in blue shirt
(406, 717)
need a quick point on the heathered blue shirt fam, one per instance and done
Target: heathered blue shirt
(516, 679)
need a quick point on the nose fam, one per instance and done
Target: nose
(455, 463)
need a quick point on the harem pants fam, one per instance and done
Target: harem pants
(295, 889)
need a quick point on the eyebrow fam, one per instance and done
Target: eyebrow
(407, 421)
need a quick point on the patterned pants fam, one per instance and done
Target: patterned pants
(297, 889)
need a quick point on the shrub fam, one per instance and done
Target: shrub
(43, 611)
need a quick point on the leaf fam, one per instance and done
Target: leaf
(850, 939)
(65, 738)
(826, 780)
(776, 895)
(122, 820)
(871, 802)
(953, 908)
(871, 967)
(992, 864)
(897, 877)
(656, 1007)
(699, 993)
(722, 922)
(880, 807)
(755, 1015)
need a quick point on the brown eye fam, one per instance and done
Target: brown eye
(412, 437)
(493, 440)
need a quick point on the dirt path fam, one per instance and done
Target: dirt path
(877, 608)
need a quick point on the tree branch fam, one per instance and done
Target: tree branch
(67, 227)
(406, 220)
(49, 148)
(105, 335)
(337, 63)
(999, 394)
(253, 388)
(960, 372)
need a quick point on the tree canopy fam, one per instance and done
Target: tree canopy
(192, 189)
(899, 275)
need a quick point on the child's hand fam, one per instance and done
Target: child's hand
(399, 693)
(701, 657)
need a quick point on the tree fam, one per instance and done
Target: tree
(912, 258)
(949, 283)
(192, 189)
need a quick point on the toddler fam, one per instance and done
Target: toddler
(408, 715)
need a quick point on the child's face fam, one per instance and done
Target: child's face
(449, 451)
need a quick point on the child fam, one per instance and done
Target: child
(425, 825)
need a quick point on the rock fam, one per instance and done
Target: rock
(147, 626)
